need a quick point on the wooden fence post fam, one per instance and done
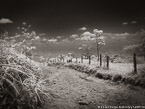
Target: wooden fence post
(134, 63)
(89, 59)
(100, 60)
(76, 60)
(63, 60)
(107, 62)
(81, 59)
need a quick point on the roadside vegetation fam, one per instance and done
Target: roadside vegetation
(22, 84)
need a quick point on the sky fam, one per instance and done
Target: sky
(65, 17)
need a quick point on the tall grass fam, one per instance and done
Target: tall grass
(21, 86)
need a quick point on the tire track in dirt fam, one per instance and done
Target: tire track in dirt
(75, 90)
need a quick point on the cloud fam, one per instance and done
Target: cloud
(59, 37)
(133, 22)
(24, 23)
(124, 23)
(83, 28)
(74, 36)
(96, 31)
(120, 35)
(87, 33)
(87, 36)
(5, 21)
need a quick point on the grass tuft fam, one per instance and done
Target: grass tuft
(21, 85)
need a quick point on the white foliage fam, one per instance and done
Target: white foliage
(44, 39)
(101, 37)
(37, 38)
(24, 23)
(52, 40)
(80, 48)
(33, 47)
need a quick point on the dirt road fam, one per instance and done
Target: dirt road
(71, 89)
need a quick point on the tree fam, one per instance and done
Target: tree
(23, 40)
(100, 41)
(96, 37)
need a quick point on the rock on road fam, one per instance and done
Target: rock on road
(71, 89)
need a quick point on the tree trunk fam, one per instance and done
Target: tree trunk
(98, 52)
(134, 62)
(100, 60)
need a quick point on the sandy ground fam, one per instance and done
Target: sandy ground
(71, 89)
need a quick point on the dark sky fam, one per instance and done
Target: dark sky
(64, 17)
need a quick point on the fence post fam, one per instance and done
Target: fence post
(81, 59)
(76, 60)
(100, 60)
(134, 62)
(89, 59)
(108, 62)
(63, 60)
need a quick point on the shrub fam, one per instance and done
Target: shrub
(81, 68)
(21, 86)
(117, 78)
(107, 77)
(137, 82)
(99, 75)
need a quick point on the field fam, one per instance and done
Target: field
(72, 54)
(36, 73)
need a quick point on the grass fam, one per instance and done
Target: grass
(122, 72)
(21, 82)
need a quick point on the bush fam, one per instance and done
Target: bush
(21, 86)
(117, 78)
(81, 68)
(107, 77)
(99, 75)
(137, 82)
(55, 64)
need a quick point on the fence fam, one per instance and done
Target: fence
(104, 61)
